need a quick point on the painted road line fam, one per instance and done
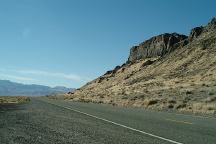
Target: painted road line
(117, 124)
(177, 121)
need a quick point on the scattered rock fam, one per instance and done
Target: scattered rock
(108, 72)
(195, 32)
(210, 99)
(189, 92)
(70, 93)
(148, 62)
(212, 24)
(170, 106)
(172, 101)
(151, 102)
(210, 93)
(180, 106)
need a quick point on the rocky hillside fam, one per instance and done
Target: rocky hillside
(169, 72)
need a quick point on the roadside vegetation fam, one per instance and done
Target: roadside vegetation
(14, 99)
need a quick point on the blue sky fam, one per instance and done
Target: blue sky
(70, 42)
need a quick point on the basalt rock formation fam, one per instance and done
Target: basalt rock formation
(156, 46)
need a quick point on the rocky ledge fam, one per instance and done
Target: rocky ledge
(163, 44)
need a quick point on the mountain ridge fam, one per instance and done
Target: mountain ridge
(9, 88)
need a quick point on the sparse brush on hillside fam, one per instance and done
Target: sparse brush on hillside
(169, 72)
(10, 99)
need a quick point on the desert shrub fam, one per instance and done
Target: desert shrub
(203, 107)
(210, 93)
(210, 99)
(101, 96)
(210, 108)
(205, 85)
(113, 71)
(148, 62)
(124, 97)
(180, 106)
(100, 102)
(151, 102)
(189, 92)
(172, 101)
(137, 96)
(84, 100)
(101, 79)
(133, 98)
(108, 72)
(128, 76)
(123, 69)
(110, 102)
(170, 106)
(141, 96)
(192, 84)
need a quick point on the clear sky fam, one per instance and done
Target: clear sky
(69, 42)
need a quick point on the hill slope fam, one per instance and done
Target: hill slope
(169, 71)
(8, 88)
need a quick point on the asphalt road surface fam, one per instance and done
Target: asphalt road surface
(44, 121)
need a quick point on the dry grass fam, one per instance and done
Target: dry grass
(13, 99)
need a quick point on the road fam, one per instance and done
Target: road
(44, 121)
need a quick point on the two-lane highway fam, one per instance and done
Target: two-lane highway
(54, 121)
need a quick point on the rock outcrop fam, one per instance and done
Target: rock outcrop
(212, 24)
(195, 32)
(165, 43)
(156, 46)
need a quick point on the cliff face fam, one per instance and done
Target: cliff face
(156, 46)
(166, 43)
(169, 71)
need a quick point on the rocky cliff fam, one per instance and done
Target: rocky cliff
(169, 72)
(156, 46)
(163, 44)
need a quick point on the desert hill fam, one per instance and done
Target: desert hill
(169, 71)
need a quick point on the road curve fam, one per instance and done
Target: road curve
(53, 121)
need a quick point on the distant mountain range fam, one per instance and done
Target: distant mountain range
(8, 88)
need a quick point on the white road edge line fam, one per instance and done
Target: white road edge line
(114, 123)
